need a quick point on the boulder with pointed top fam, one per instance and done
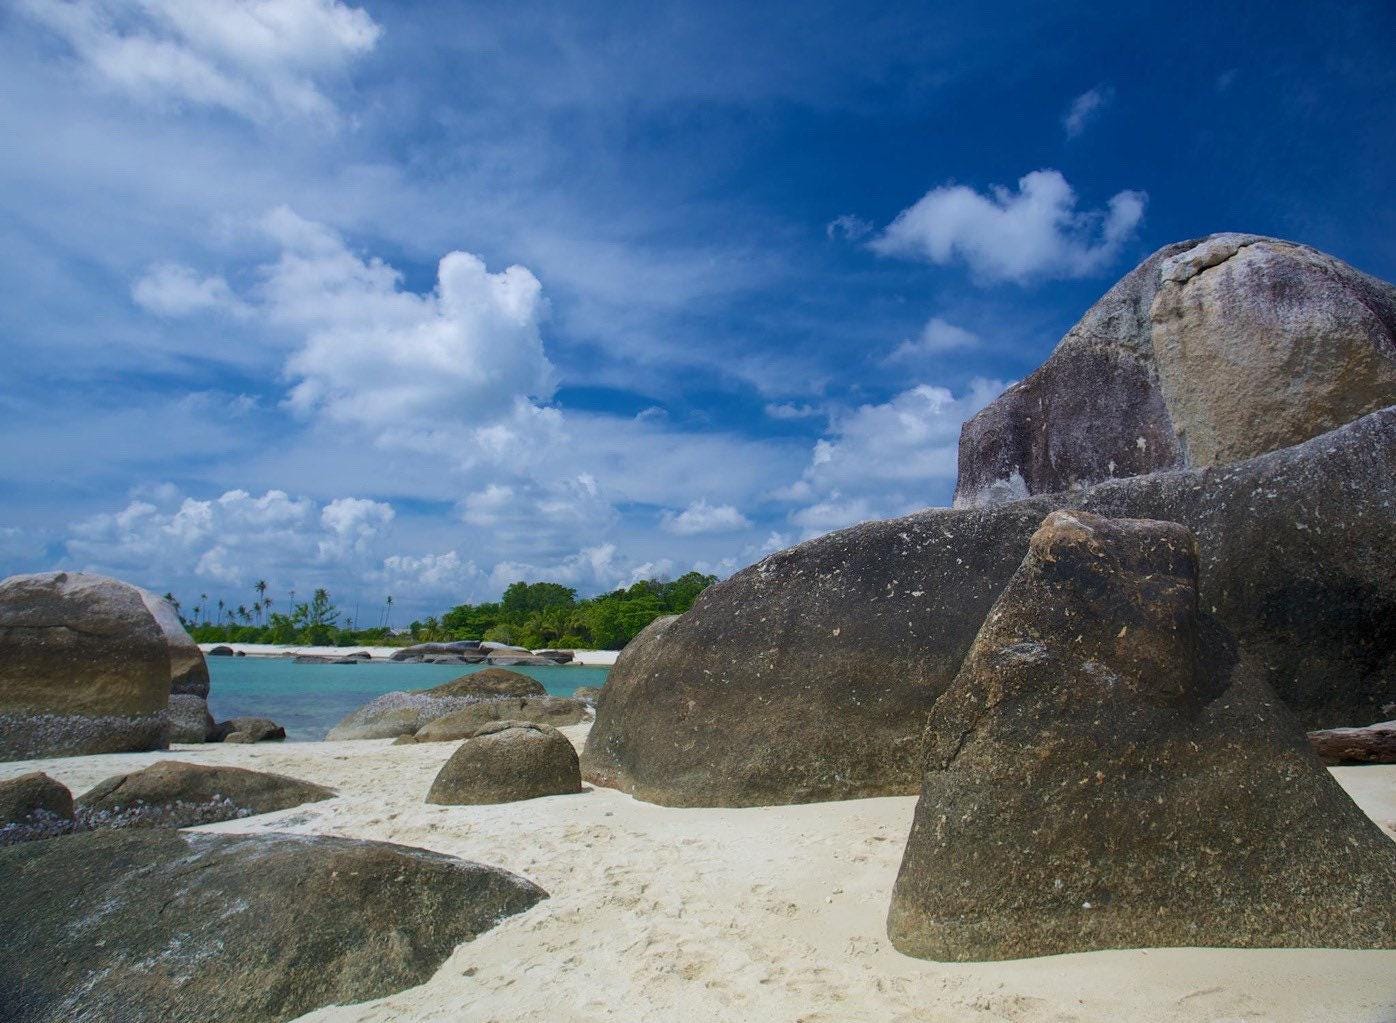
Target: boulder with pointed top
(1209, 352)
(1110, 770)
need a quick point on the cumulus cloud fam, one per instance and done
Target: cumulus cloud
(1085, 108)
(170, 289)
(936, 337)
(261, 59)
(702, 517)
(886, 459)
(161, 539)
(602, 567)
(1035, 232)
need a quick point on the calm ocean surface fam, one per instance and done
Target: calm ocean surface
(309, 699)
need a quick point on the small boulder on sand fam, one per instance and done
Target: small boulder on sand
(175, 794)
(248, 730)
(33, 795)
(1110, 770)
(506, 761)
(557, 711)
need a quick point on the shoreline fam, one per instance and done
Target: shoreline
(765, 913)
(580, 658)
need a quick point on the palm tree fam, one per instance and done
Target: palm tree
(261, 587)
(203, 597)
(388, 611)
(242, 613)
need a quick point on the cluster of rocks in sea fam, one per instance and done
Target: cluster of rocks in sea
(1089, 707)
(455, 709)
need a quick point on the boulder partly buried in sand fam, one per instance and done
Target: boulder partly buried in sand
(248, 730)
(558, 711)
(169, 926)
(1109, 770)
(506, 761)
(809, 675)
(84, 667)
(31, 796)
(1209, 352)
(175, 794)
(403, 713)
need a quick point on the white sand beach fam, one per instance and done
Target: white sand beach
(765, 914)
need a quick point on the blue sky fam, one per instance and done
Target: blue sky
(421, 299)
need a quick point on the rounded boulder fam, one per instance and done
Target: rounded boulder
(506, 761)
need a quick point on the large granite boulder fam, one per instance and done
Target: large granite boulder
(190, 720)
(180, 927)
(403, 713)
(809, 675)
(1210, 352)
(558, 711)
(1110, 770)
(505, 761)
(465, 646)
(187, 712)
(84, 667)
(33, 795)
(175, 794)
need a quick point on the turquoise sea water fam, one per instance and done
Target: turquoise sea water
(310, 699)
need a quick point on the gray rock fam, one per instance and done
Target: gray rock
(556, 656)
(22, 797)
(506, 761)
(545, 710)
(1109, 770)
(587, 694)
(423, 649)
(513, 660)
(1210, 352)
(188, 670)
(180, 927)
(221, 651)
(190, 721)
(175, 794)
(809, 675)
(84, 667)
(403, 713)
(247, 730)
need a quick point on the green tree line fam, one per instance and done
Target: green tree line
(534, 615)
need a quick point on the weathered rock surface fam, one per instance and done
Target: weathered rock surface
(509, 660)
(238, 730)
(175, 794)
(1374, 744)
(506, 761)
(424, 649)
(587, 694)
(557, 711)
(1210, 352)
(1109, 770)
(84, 667)
(189, 719)
(178, 927)
(809, 675)
(188, 670)
(556, 656)
(34, 793)
(221, 651)
(403, 713)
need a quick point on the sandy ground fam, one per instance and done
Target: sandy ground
(589, 658)
(746, 915)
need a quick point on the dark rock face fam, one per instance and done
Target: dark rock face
(33, 794)
(809, 675)
(84, 667)
(403, 713)
(221, 651)
(557, 711)
(1210, 352)
(189, 719)
(1109, 770)
(238, 730)
(506, 761)
(237, 928)
(556, 656)
(176, 794)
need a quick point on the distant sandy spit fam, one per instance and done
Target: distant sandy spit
(586, 658)
(763, 914)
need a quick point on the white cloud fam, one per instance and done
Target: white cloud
(886, 459)
(936, 337)
(446, 573)
(791, 410)
(1035, 232)
(262, 59)
(702, 517)
(1085, 108)
(352, 523)
(602, 567)
(847, 227)
(170, 289)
